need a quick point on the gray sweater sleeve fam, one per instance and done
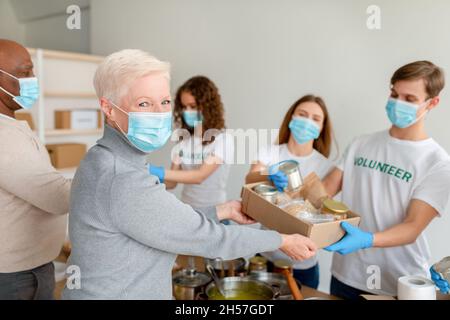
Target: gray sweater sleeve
(209, 212)
(147, 213)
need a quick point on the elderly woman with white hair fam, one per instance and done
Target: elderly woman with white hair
(126, 229)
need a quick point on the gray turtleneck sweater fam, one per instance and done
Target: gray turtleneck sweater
(126, 229)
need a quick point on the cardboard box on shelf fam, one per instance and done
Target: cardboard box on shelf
(275, 218)
(99, 119)
(83, 119)
(66, 155)
(26, 116)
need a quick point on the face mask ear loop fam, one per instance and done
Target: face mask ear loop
(7, 92)
(9, 74)
(423, 114)
(3, 89)
(120, 109)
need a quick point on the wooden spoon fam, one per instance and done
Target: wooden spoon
(295, 290)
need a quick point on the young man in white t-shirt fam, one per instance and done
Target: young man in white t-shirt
(398, 180)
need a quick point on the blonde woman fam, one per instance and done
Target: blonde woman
(126, 229)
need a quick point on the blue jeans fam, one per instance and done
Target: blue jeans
(35, 284)
(308, 277)
(341, 290)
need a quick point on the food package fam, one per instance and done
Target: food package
(304, 210)
(313, 190)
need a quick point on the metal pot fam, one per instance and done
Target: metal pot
(229, 268)
(188, 283)
(242, 288)
(274, 280)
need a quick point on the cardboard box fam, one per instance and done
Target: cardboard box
(66, 155)
(99, 119)
(275, 218)
(25, 116)
(85, 119)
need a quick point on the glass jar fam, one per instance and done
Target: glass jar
(280, 265)
(257, 264)
(338, 209)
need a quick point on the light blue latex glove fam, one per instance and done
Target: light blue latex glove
(279, 178)
(440, 282)
(160, 172)
(354, 240)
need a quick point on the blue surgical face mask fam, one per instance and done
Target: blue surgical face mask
(304, 129)
(148, 131)
(192, 117)
(29, 91)
(403, 114)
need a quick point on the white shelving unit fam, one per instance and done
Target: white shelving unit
(65, 80)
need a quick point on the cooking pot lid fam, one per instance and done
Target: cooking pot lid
(218, 264)
(191, 278)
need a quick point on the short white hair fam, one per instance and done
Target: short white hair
(119, 70)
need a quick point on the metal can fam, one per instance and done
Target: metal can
(280, 265)
(257, 264)
(292, 170)
(338, 209)
(267, 191)
(443, 268)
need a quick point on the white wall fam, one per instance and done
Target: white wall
(263, 55)
(42, 24)
(51, 33)
(10, 27)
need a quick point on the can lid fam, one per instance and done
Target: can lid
(288, 166)
(258, 260)
(282, 264)
(335, 206)
(265, 189)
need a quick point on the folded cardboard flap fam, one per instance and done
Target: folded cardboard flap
(275, 218)
(313, 190)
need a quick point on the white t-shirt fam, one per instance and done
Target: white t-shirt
(382, 175)
(191, 154)
(315, 162)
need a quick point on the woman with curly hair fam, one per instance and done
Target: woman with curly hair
(201, 158)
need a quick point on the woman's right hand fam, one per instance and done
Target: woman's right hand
(278, 177)
(440, 282)
(298, 247)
